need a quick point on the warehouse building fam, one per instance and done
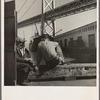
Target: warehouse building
(84, 36)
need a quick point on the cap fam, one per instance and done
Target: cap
(19, 40)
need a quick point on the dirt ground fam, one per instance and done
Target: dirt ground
(88, 82)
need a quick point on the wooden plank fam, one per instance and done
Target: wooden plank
(10, 30)
(9, 9)
(9, 68)
(9, 14)
(68, 73)
(9, 61)
(9, 47)
(63, 78)
(78, 65)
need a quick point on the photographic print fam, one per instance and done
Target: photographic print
(50, 43)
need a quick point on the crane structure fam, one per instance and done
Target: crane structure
(48, 17)
(47, 26)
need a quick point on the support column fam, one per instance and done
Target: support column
(47, 26)
(10, 35)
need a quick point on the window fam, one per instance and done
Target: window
(79, 41)
(85, 29)
(88, 28)
(79, 38)
(65, 42)
(71, 42)
(91, 40)
(79, 31)
(93, 27)
(71, 39)
(61, 43)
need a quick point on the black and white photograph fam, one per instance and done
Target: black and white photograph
(50, 43)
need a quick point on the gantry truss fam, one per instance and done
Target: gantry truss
(47, 26)
(68, 9)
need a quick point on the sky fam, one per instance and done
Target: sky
(35, 9)
(66, 23)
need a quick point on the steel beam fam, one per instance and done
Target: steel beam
(45, 26)
(68, 9)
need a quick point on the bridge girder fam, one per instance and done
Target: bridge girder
(68, 9)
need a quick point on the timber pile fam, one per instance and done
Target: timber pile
(66, 72)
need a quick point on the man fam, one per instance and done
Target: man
(23, 66)
(50, 51)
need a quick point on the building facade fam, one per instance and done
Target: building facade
(84, 36)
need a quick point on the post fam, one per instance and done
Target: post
(47, 5)
(53, 25)
(10, 34)
(42, 20)
(53, 22)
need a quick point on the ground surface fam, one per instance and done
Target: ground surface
(63, 70)
(88, 82)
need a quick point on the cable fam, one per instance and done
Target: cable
(36, 28)
(27, 10)
(22, 6)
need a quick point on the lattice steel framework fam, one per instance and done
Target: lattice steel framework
(74, 7)
(47, 26)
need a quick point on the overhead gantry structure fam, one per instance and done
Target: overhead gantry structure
(68, 9)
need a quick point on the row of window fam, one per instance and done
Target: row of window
(71, 43)
(83, 29)
(79, 42)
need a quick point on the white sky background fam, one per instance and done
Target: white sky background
(66, 23)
